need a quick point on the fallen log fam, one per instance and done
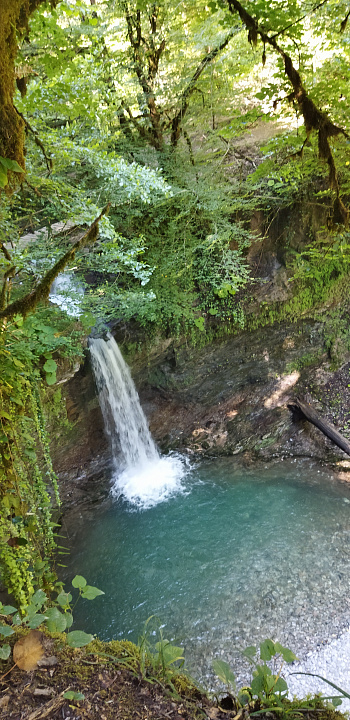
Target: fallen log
(303, 410)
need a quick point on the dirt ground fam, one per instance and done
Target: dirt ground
(104, 682)
(108, 690)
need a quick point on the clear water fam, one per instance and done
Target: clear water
(239, 556)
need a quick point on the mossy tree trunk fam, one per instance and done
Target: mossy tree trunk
(14, 16)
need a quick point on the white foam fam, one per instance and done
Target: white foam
(153, 482)
(142, 476)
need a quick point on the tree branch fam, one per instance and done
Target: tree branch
(191, 87)
(37, 140)
(27, 304)
(314, 118)
(153, 56)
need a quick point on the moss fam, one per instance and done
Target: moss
(14, 17)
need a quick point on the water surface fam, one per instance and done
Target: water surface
(237, 556)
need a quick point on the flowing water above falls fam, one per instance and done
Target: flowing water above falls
(141, 475)
(239, 556)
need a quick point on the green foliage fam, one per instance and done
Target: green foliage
(161, 658)
(54, 613)
(5, 166)
(224, 673)
(267, 685)
(172, 253)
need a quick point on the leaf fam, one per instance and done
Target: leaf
(37, 620)
(3, 178)
(267, 650)
(69, 620)
(280, 686)
(64, 599)
(51, 378)
(8, 610)
(5, 415)
(78, 581)
(56, 621)
(288, 655)
(6, 630)
(169, 653)
(11, 165)
(258, 685)
(249, 652)
(50, 366)
(28, 650)
(4, 652)
(199, 322)
(90, 592)
(71, 695)
(244, 696)
(78, 639)
(224, 672)
(38, 598)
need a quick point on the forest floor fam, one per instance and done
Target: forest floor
(94, 683)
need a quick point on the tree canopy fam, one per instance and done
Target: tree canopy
(155, 135)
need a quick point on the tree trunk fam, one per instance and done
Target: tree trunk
(305, 410)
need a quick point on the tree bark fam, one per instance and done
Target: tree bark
(305, 410)
(14, 17)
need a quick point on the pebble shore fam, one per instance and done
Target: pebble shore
(332, 661)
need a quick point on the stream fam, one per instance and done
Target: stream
(232, 557)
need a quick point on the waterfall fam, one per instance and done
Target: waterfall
(141, 475)
(67, 292)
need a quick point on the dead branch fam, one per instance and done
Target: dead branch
(48, 709)
(304, 410)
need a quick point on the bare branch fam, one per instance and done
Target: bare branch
(48, 160)
(191, 87)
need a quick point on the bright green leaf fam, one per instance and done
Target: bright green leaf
(78, 581)
(90, 592)
(56, 621)
(5, 651)
(79, 638)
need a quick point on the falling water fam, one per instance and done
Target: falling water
(141, 475)
(67, 292)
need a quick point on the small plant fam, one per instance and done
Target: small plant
(267, 688)
(158, 659)
(55, 614)
(268, 684)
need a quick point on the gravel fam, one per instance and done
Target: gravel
(332, 661)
